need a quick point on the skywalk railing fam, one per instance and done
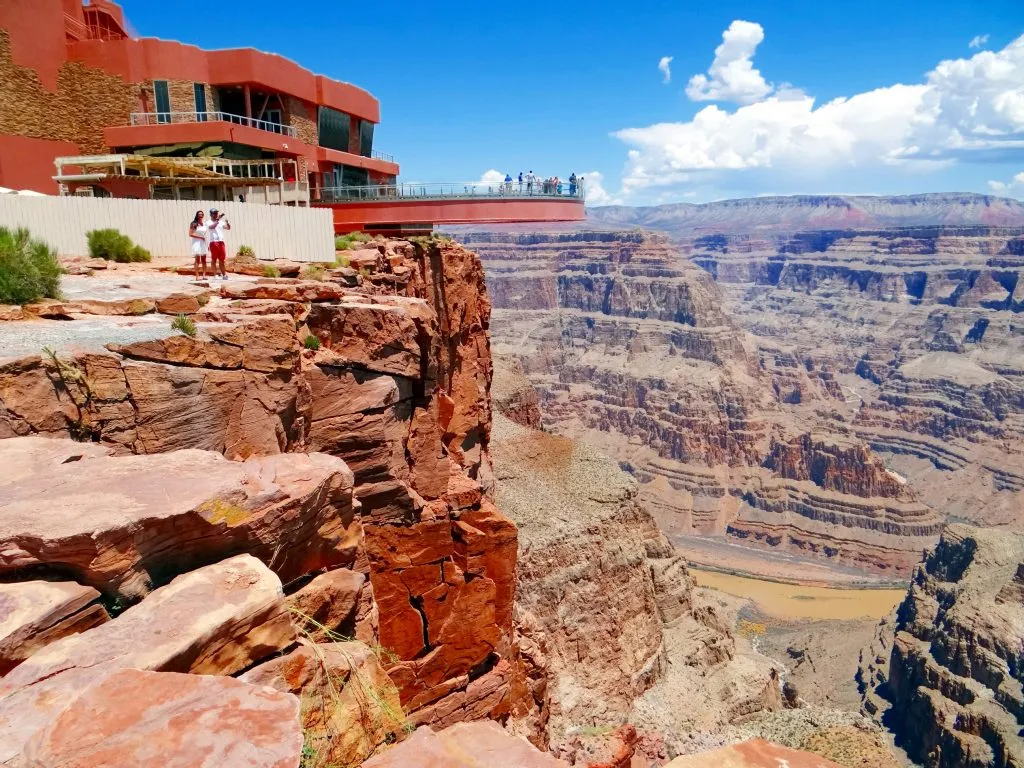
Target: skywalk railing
(382, 156)
(470, 190)
(166, 118)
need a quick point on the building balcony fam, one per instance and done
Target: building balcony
(158, 129)
(455, 190)
(170, 118)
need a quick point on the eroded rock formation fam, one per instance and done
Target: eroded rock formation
(605, 595)
(357, 477)
(951, 684)
(629, 347)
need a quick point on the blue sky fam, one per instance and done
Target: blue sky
(555, 87)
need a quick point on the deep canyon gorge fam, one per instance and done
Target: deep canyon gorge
(467, 523)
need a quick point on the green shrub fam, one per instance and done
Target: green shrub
(246, 252)
(312, 272)
(347, 242)
(271, 271)
(185, 324)
(112, 245)
(29, 269)
(342, 261)
(312, 342)
(364, 272)
(140, 254)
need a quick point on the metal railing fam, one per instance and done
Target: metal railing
(382, 156)
(471, 189)
(166, 118)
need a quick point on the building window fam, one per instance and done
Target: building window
(200, 93)
(163, 101)
(365, 138)
(333, 128)
(272, 116)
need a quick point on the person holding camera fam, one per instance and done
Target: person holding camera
(218, 250)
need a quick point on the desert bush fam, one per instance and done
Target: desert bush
(112, 245)
(29, 269)
(246, 252)
(312, 272)
(185, 324)
(342, 261)
(312, 342)
(271, 271)
(347, 242)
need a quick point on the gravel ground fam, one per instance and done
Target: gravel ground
(135, 285)
(23, 338)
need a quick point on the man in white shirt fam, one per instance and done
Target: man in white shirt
(218, 250)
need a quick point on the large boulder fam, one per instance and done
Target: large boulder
(36, 613)
(466, 745)
(216, 620)
(124, 524)
(171, 720)
(350, 707)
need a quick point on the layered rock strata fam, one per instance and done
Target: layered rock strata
(918, 329)
(952, 686)
(629, 347)
(610, 602)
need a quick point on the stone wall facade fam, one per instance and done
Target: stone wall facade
(86, 101)
(301, 116)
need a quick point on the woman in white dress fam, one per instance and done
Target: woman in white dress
(197, 232)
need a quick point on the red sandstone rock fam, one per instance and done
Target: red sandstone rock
(179, 304)
(173, 720)
(11, 312)
(376, 337)
(331, 600)
(465, 745)
(64, 309)
(119, 523)
(283, 290)
(215, 620)
(753, 754)
(349, 705)
(36, 613)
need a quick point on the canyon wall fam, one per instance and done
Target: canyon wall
(632, 348)
(396, 394)
(919, 329)
(951, 685)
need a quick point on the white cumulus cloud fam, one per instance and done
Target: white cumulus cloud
(665, 67)
(1014, 185)
(966, 109)
(731, 76)
(594, 188)
(491, 177)
(978, 41)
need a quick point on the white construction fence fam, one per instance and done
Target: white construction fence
(161, 226)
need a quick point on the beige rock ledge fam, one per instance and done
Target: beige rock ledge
(216, 620)
(124, 524)
(172, 720)
(36, 613)
(466, 745)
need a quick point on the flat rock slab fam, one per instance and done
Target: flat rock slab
(172, 720)
(216, 620)
(483, 744)
(122, 524)
(36, 613)
(753, 754)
